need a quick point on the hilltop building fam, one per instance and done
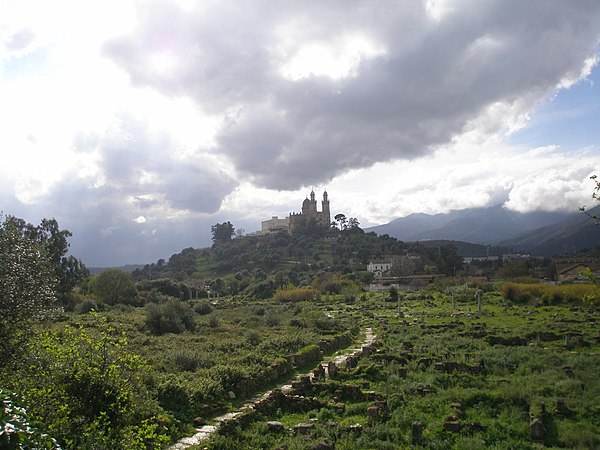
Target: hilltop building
(310, 216)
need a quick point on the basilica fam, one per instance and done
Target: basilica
(309, 216)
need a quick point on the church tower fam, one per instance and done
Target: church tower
(326, 216)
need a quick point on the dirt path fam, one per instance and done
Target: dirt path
(204, 433)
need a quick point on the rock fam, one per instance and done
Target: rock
(274, 425)
(417, 433)
(304, 427)
(231, 395)
(538, 431)
(332, 369)
(323, 445)
(373, 413)
(338, 394)
(340, 406)
(452, 425)
(562, 409)
(199, 422)
(440, 367)
(319, 372)
(356, 428)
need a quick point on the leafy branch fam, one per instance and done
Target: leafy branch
(595, 196)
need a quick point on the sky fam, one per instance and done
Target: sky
(139, 124)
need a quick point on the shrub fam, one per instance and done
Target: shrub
(295, 295)
(171, 317)
(186, 360)
(115, 286)
(86, 306)
(16, 432)
(253, 338)
(203, 308)
(166, 286)
(213, 321)
(85, 386)
(272, 321)
(173, 396)
(553, 295)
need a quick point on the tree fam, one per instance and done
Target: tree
(222, 232)
(595, 196)
(27, 285)
(341, 221)
(448, 261)
(68, 270)
(353, 223)
(115, 286)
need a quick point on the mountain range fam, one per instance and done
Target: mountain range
(539, 233)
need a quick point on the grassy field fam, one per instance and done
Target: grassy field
(508, 377)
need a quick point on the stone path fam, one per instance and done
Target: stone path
(203, 433)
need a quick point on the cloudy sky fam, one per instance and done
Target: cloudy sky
(137, 125)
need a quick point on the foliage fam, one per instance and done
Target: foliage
(291, 294)
(222, 232)
(448, 261)
(115, 286)
(549, 294)
(15, 429)
(483, 376)
(27, 284)
(68, 270)
(172, 316)
(330, 283)
(84, 387)
(86, 306)
(203, 308)
(595, 196)
(165, 286)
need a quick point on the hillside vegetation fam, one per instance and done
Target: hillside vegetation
(137, 361)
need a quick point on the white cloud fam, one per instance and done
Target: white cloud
(144, 122)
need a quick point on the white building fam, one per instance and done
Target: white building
(379, 267)
(274, 225)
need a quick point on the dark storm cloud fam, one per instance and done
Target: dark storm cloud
(434, 77)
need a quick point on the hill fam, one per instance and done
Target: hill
(540, 233)
(575, 234)
(468, 249)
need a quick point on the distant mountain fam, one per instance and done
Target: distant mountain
(476, 225)
(576, 233)
(468, 248)
(539, 233)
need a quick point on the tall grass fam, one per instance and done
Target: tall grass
(551, 295)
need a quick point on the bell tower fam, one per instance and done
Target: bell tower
(326, 216)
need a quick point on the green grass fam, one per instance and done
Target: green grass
(517, 376)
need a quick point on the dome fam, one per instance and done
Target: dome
(306, 202)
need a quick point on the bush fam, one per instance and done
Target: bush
(16, 432)
(295, 295)
(213, 321)
(253, 338)
(171, 317)
(272, 321)
(84, 386)
(203, 308)
(115, 286)
(185, 360)
(550, 295)
(86, 306)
